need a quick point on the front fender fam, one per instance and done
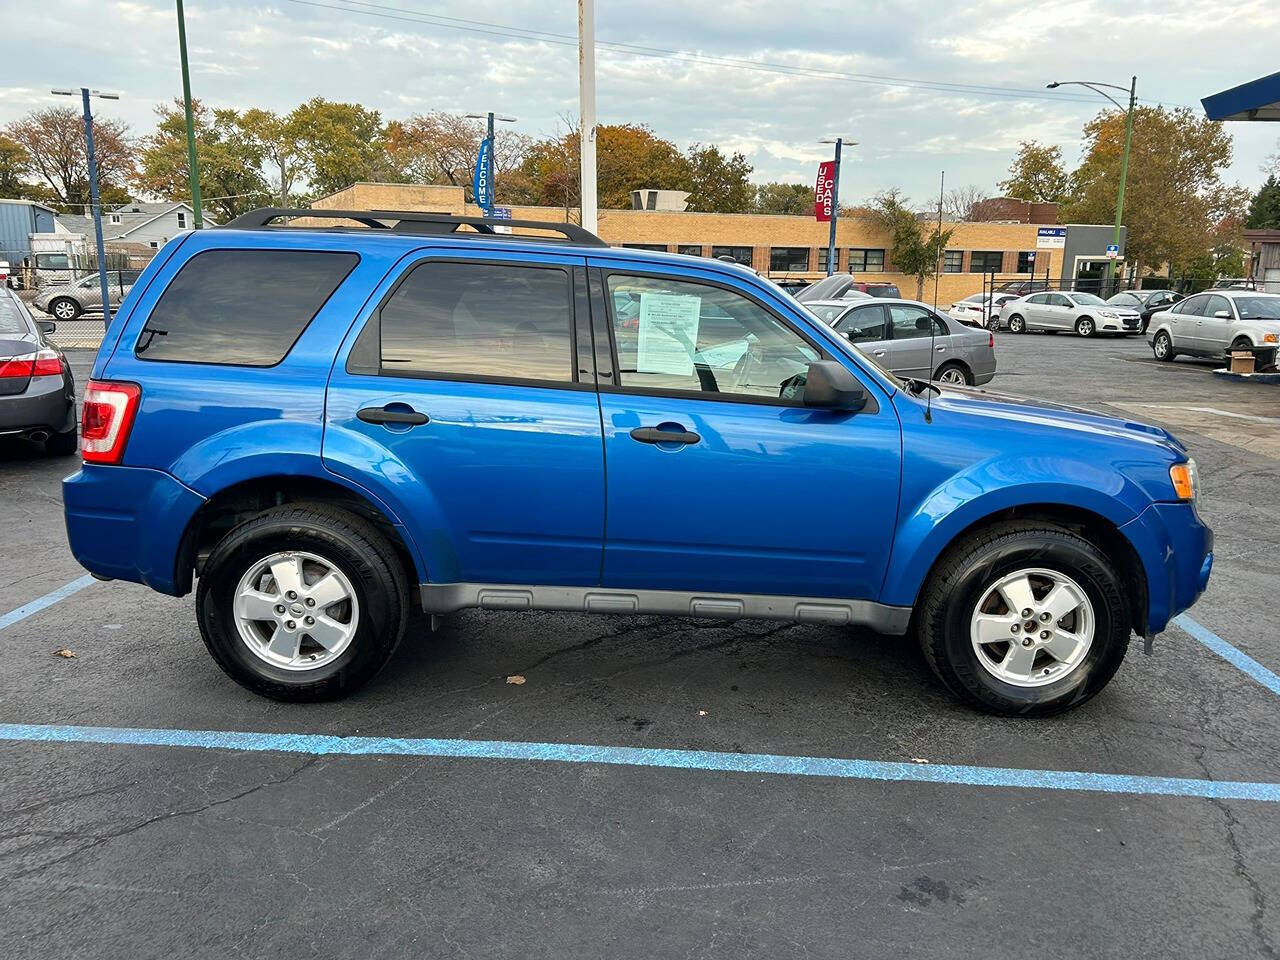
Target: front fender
(932, 519)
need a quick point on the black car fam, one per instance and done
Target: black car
(37, 393)
(1146, 302)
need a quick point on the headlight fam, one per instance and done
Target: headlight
(1108, 314)
(1185, 479)
(1271, 338)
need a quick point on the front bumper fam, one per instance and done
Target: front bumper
(1176, 550)
(48, 403)
(127, 523)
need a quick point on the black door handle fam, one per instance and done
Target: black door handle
(409, 417)
(654, 435)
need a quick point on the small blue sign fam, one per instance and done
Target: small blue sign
(502, 213)
(480, 185)
(1113, 251)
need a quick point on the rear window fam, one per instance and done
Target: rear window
(241, 307)
(13, 321)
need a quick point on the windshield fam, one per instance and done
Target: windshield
(1258, 308)
(1087, 298)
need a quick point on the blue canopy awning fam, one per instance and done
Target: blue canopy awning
(1256, 100)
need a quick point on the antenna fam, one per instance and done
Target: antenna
(933, 323)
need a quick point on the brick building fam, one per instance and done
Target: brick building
(782, 247)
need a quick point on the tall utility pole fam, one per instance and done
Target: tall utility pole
(1124, 159)
(193, 168)
(835, 204)
(491, 199)
(94, 203)
(587, 110)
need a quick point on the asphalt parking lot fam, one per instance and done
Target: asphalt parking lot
(278, 848)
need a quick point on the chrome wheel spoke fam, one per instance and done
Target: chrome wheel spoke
(994, 628)
(1017, 594)
(256, 605)
(328, 633)
(1062, 646)
(1060, 601)
(328, 590)
(284, 643)
(1018, 661)
(287, 571)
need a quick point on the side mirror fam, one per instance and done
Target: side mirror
(46, 326)
(1223, 314)
(830, 386)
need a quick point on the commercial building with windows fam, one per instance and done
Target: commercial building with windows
(791, 247)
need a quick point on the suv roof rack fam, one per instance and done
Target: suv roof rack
(408, 221)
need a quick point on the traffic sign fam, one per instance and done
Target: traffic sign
(1113, 251)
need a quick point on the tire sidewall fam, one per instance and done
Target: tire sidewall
(1017, 324)
(1064, 555)
(378, 626)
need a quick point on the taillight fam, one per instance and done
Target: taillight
(17, 367)
(48, 364)
(44, 363)
(109, 409)
(991, 340)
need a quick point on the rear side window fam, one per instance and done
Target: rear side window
(241, 307)
(479, 320)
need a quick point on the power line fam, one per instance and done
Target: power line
(508, 32)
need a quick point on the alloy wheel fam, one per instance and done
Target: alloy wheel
(1032, 627)
(953, 375)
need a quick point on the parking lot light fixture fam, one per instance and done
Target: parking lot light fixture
(490, 117)
(1124, 159)
(835, 200)
(94, 205)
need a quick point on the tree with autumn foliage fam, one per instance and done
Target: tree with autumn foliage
(441, 148)
(53, 147)
(1036, 174)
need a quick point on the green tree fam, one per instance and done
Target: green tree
(718, 183)
(345, 142)
(1264, 208)
(912, 252)
(278, 142)
(1036, 174)
(14, 164)
(784, 198)
(53, 140)
(230, 162)
(1175, 196)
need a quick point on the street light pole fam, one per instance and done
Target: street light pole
(1124, 159)
(94, 204)
(587, 114)
(193, 168)
(835, 203)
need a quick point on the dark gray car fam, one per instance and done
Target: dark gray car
(910, 339)
(37, 393)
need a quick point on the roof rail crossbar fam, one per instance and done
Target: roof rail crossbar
(448, 223)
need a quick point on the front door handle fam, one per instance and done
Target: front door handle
(877, 353)
(654, 435)
(409, 417)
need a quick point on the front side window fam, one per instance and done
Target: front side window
(952, 261)
(1217, 305)
(911, 322)
(864, 325)
(1058, 300)
(866, 261)
(241, 307)
(673, 335)
(985, 261)
(479, 320)
(740, 255)
(783, 259)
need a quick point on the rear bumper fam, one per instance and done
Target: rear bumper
(127, 523)
(1176, 550)
(48, 403)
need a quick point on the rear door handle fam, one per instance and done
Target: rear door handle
(409, 417)
(654, 435)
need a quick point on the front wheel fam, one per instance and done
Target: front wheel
(303, 602)
(1085, 327)
(64, 308)
(1162, 346)
(1017, 324)
(1024, 619)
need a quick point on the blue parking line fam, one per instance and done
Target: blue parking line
(1237, 658)
(48, 600)
(756, 763)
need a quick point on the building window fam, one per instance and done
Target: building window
(114, 218)
(822, 259)
(866, 261)
(659, 247)
(155, 245)
(788, 259)
(952, 261)
(182, 220)
(689, 249)
(986, 261)
(1026, 262)
(740, 255)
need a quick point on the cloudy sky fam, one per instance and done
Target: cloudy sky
(767, 78)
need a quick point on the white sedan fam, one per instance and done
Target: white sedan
(1209, 324)
(1086, 314)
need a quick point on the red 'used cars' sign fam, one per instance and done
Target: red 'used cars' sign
(823, 190)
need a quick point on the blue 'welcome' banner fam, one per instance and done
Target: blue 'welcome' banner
(480, 185)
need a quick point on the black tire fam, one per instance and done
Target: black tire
(959, 368)
(1162, 347)
(1017, 324)
(63, 444)
(1241, 343)
(966, 572)
(349, 543)
(1085, 327)
(68, 307)
(993, 324)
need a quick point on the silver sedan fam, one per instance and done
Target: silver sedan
(909, 339)
(1055, 310)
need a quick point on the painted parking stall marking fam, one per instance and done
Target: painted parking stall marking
(757, 763)
(1237, 658)
(48, 600)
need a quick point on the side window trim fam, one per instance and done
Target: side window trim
(617, 387)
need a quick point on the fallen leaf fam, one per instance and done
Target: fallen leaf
(516, 679)
(702, 713)
(64, 653)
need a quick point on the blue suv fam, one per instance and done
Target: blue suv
(324, 425)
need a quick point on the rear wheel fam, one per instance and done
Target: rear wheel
(1025, 618)
(64, 308)
(303, 602)
(1017, 324)
(955, 374)
(1162, 346)
(1085, 327)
